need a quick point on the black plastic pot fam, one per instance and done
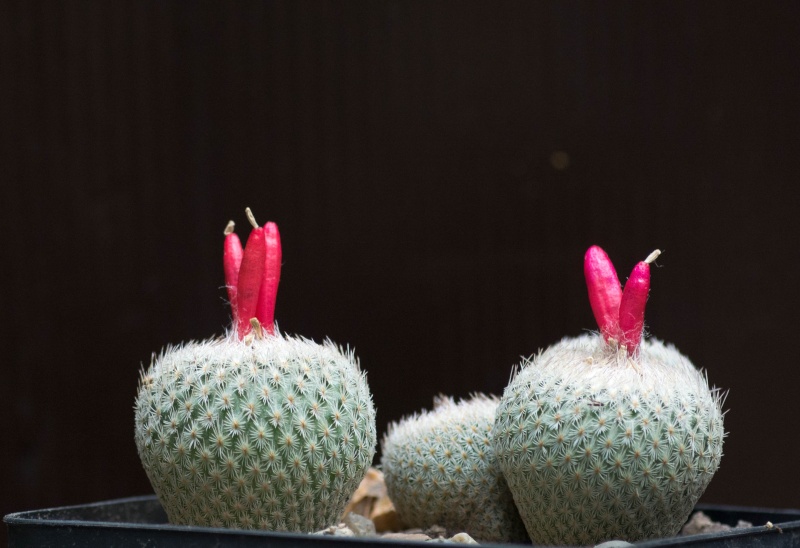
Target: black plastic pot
(140, 521)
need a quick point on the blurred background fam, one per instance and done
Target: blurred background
(437, 170)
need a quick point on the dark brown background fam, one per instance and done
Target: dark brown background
(409, 152)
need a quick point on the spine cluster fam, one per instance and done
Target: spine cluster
(272, 433)
(597, 445)
(440, 469)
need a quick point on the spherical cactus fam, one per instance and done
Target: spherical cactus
(255, 429)
(440, 469)
(604, 436)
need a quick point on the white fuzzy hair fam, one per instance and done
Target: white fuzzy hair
(588, 365)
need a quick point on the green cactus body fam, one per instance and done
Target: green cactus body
(273, 433)
(596, 445)
(440, 469)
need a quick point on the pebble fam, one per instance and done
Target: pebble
(340, 530)
(463, 538)
(460, 538)
(360, 526)
(371, 500)
(701, 523)
(436, 531)
(406, 536)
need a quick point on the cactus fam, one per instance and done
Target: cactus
(440, 469)
(600, 440)
(255, 429)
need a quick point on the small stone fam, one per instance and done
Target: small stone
(360, 526)
(406, 536)
(613, 544)
(340, 530)
(701, 523)
(435, 531)
(372, 500)
(463, 538)
(384, 516)
(371, 489)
